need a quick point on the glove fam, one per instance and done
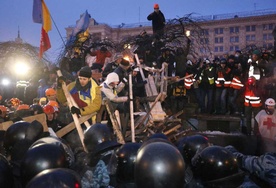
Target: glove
(75, 110)
(124, 80)
(221, 82)
(60, 80)
(145, 82)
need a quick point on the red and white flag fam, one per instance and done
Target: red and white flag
(44, 42)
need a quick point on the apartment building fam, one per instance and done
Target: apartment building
(224, 33)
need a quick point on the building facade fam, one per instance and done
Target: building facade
(223, 33)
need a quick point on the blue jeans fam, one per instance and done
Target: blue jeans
(221, 100)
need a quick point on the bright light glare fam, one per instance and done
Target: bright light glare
(188, 33)
(21, 68)
(5, 81)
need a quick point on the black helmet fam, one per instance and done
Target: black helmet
(15, 133)
(99, 138)
(126, 157)
(59, 142)
(213, 163)
(6, 176)
(42, 157)
(158, 135)
(36, 109)
(190, 145)
(59, 177)
(21, 135)
(159, 164)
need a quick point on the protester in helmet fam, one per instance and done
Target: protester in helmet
(266, 120)
(158, 21)
(4, 116)
(51, 94)
(52, 121)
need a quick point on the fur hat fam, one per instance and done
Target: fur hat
(85, 72)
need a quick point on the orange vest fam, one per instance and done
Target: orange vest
(221, 78)
(188, 82)
(250, 99)
(236, 83)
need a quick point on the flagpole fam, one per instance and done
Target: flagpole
(58, 30)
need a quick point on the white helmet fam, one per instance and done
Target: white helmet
(270, 102)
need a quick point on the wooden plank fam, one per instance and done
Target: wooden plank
(172, 129)
(39, 117)
(114, 122)
(157, 112)
(71, 126)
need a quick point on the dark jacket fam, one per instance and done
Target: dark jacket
(158, 21)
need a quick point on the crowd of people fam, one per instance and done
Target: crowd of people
(242, 83)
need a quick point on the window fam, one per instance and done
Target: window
(204, 41)
(204, 32)
(218, 30)
(234, 29)
(250, 28)
(234, 39)
(250, 37)
(219, 40)
(218, 49)
(234, 48)
(270, 37)
(267, 26)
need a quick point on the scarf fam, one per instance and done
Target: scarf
(84, 90)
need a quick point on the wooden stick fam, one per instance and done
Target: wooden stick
(172, 129)
(114, 122)
(71, 126)
(148, 113)
(131, 109)
(75, 116)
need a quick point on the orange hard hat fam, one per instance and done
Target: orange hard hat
(50, 91)
(23, 107)
(155, 6)
(14, 101)
(53, 103)
(3, 108)
(48, 109)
